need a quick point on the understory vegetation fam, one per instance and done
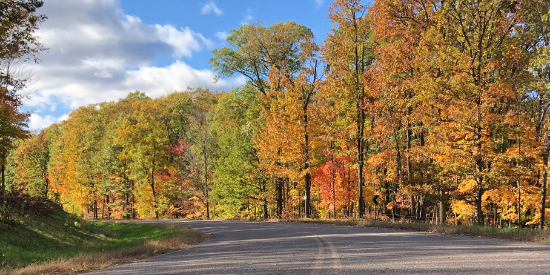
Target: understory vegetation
(510, 233)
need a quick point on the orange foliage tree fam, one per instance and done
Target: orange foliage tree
(348, 54)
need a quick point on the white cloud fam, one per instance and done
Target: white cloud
(247, 19)
(211, 7)
(154, 81)
(99, 29)
(176, 77)
(221, 35)
(98, 53)
(319, 3)
(183, 41)
(37, 122)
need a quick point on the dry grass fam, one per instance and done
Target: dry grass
(88, 262)
(525, 234)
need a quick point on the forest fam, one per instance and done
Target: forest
(410, 110)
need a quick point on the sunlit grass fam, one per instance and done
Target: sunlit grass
(64, 244)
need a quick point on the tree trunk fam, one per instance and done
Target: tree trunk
(360, 160)
(206, 184)
(265, 214)
(399, 171)
(128, 203)
(301, 209)
(544, 184)
(307, 202)
(442, 206)
(519, 203)
(307, 177)
(133, 201)
(107, 199)
(478, 206)
(421, 210)
(479, 179)
(279, 190)
(519, 181)
(360, 120)
(409, 168)
(333, 181)
(413, 207)
(47, 184)
(125, 206)
(95, 211)
(153, 189)
(3, 181)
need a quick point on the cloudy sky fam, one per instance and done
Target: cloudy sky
(100, 50)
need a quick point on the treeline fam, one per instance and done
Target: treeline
(137, 157)
(411, 110)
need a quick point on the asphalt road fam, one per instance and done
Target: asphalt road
(289, 248)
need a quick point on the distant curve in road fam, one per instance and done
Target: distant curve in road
(294, 248)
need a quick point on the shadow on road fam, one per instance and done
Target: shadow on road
(290, 248)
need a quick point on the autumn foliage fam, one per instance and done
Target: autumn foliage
(409, 110)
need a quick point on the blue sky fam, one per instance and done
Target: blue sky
(100, 50)
(231, 14)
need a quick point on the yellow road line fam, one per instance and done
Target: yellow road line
(337, 264)
(320, 255)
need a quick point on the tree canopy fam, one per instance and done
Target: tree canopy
(409, 110)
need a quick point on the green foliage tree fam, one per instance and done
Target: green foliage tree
(239, 179)
(32, 156)
(202, 137)
(536, 39)
(258, 51)
(348, 53)
(256, 48)
(144, 138)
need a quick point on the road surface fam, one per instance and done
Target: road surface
(290, 248)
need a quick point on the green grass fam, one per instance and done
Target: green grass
(128, 234)
(38, 239)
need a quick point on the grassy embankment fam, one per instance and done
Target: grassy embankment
(37, 237)
(511, 233)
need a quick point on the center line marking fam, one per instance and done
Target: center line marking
(320, 256)
(335, 257)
